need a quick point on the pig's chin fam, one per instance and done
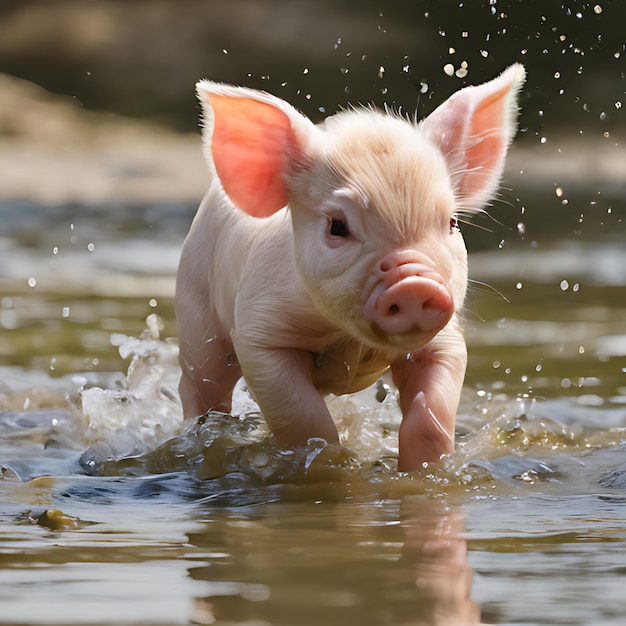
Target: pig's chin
(398, 343)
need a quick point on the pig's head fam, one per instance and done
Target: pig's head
(374, 198)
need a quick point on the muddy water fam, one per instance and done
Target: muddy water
(114, 512)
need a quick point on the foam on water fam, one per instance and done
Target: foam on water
(146, 410)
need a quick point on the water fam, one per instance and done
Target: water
(115, 512)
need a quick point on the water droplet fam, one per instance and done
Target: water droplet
(496, 365)
(448, 68)
(344, 70)
(521, 228)
(32, 281)
(543, 140)
(519, 285)
(564, 285)
(55, 250)
(66, 311)
(306, 70)
(91, 247)
(152, 302)
(423, 87)
(381, 72)
(597, 9)
(603, 116)
(559, 192)
(484, 53)
(618, 105)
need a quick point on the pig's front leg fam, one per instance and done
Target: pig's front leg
(209, 373)
(429, 383)
(280, 381)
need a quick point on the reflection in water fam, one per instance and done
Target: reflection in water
(333, 568)
(443, 575)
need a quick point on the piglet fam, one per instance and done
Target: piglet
(323, 255)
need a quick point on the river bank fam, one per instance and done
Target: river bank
(53, 151)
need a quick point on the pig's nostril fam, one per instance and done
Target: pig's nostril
(393, 309)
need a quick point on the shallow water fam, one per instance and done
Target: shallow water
(114, 512)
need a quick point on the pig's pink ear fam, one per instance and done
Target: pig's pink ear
(252, 139)
(473, 129)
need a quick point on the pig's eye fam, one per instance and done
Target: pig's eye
(339, 228)
(454, 223)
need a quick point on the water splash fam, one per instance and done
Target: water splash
(146, 410)
(131, 427)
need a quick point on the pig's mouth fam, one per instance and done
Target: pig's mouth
(406, 342)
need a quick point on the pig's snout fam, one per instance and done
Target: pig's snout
(409, 296)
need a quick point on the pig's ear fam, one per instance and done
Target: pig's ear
(473, 129)
(252, 139)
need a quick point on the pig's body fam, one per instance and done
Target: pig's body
(364, 270)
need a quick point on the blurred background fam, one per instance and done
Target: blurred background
(142, 57)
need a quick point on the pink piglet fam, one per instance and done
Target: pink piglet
(323, 255)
